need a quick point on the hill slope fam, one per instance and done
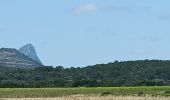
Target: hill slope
(13, 58)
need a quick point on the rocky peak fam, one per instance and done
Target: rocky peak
(30, 51)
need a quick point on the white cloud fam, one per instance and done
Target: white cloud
(86, 8)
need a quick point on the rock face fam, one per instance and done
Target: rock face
(13, 58)
(29, 51)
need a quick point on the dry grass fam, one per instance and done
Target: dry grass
(103, 91)
(93, 98)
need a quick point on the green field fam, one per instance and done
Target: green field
(98, 91)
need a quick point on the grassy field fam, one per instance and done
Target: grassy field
(161, 91)
(93, 98)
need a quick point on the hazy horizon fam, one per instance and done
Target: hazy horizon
(87, 32)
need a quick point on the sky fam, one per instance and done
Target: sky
(78, 33)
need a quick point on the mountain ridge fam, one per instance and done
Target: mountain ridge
(10, 57)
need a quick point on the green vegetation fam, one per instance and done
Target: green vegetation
(98, 91)
(131, 78)
(129, 73)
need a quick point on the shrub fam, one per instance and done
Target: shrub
(167, 92)
(106, 93)
(140, 93)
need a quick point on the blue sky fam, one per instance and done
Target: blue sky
(86, 32)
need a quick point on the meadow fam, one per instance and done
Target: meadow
(93, 98)
(156, 91)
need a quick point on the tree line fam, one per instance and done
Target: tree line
(127, 73)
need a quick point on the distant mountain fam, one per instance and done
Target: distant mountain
(29, 51)
(13, 58)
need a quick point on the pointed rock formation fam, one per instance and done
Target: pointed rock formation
(29, 51)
